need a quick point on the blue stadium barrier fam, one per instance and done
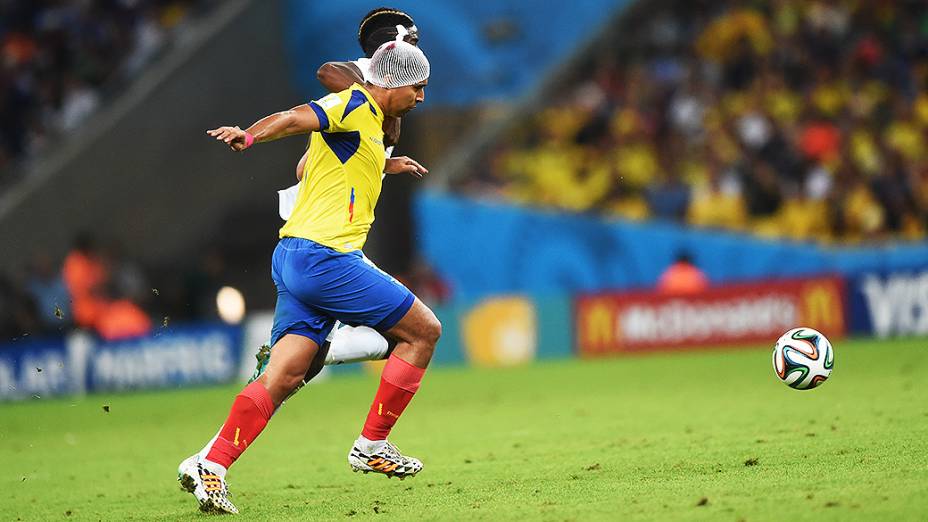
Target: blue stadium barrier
(485, 249)
(177, 357)
(502, 329)
(37, 368)
(183, 356)
(467, 65)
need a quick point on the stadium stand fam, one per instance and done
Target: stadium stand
(59, 61)
(735, 115)
(739, 115)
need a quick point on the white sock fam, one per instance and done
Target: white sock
(370, 446)
(215, 468)
(218, 469)
(356, 343)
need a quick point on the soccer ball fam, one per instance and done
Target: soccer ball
(803, 358)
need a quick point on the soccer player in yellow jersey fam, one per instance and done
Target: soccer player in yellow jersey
(347, 344)
(321, 276)
(381, 25)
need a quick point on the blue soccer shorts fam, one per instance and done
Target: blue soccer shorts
(317, 285)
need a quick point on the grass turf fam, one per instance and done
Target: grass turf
(698, 436)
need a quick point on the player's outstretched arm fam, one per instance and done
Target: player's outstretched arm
(338, 76)
(298, 120)
(405, 165)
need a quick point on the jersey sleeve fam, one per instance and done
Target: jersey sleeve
(330, 110)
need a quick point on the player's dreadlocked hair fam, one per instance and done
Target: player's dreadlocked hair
(379, 27)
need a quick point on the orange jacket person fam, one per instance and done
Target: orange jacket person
(682, 278)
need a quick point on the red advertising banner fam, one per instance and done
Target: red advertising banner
(608, 323)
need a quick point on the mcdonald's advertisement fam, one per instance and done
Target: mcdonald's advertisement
(741, 314)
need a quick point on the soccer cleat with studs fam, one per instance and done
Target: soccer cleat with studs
(263, 356)
(386, 460)
(210, 489)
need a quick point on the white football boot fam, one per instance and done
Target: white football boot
(209, 488)
(382, 457)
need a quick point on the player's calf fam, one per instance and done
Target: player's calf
(292, 356)
(417, 332)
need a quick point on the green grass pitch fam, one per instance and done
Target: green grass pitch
(697, 436)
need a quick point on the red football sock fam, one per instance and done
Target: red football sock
(398, 383)
(250, 412)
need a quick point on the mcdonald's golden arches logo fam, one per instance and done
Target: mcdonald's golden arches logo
(822, 306)
(597, 325)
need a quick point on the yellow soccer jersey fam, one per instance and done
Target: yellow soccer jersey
(342, 178)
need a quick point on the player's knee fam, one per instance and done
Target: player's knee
(281, 384)
(431, 332)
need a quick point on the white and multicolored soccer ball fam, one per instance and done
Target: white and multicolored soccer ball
(803, 358)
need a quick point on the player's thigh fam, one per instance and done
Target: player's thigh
(360, 294)
(341, 286)
(293, 314)
(292, 354)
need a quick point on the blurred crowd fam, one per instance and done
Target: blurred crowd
(98, 287)
(60, 59)
(94, 287)
(803, 119)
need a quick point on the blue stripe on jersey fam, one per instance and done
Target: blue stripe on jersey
(357, 99)
(323, 117)
(343, 144)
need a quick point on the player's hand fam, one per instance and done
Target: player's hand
(405, 165)
(234, 137)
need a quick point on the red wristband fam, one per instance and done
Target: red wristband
(249, 139)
